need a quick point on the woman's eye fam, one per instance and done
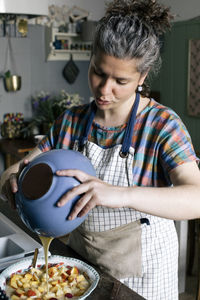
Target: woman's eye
(97, 72)
(122, 82)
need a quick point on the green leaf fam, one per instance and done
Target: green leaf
(7, 74)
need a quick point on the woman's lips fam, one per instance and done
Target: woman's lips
(102, 102)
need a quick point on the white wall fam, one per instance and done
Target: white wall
(183, 9)
(36, 72)
(95, 7)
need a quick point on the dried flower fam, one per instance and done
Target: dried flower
(46, 107)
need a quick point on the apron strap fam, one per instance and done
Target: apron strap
(129, 130)
(128, 133)
(83, 139)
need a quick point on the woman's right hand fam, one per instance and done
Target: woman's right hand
(10, 186)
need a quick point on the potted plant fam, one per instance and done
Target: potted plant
(12, 83)
(46, 108)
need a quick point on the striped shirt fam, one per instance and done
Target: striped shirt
(160, 140)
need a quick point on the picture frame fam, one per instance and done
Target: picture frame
(193, 97)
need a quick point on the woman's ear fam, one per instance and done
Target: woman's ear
(142, 78)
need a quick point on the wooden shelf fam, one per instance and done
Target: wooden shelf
(59, 45)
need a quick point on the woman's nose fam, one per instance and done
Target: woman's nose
(105, 86)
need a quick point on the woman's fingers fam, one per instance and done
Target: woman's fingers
(80, 175)
(74, 192)
(14, 176)
(24, 163)
(11, 187)
(84, 190)
(79, 189)
(13, 183)
(82, 207)
(92, 192)
(8, 194)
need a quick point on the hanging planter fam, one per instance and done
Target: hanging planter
(12, 83)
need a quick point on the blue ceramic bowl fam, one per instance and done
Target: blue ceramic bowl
(39, 190)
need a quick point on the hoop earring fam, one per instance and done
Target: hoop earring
(139, 88)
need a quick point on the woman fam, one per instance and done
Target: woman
(147, 175)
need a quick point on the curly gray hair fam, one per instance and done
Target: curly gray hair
(131, 29)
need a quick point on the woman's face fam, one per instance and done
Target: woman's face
(113, 81)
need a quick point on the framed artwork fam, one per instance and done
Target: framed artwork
(193, 99)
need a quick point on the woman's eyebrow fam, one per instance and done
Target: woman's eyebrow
(98, 68)
(123, 78)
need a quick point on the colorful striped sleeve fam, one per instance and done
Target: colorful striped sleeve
(67, 128)
(161, 143)
(175, 143)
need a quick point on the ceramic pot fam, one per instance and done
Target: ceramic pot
(88, 30)
(12, 83)
(39, 190)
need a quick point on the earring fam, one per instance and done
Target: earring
(139, 88)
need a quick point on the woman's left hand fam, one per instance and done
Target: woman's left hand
(93, 192)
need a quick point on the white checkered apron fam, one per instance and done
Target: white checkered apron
(159, 239)
(159, 280)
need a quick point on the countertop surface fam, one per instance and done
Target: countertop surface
(108, 287)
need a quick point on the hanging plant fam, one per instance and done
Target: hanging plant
(7, 74)
(12, 83)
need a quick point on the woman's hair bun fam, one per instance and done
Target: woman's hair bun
(149, 12)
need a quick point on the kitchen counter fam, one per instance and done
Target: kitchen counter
(108, 287)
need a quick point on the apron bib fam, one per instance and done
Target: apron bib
(117, 239)
(105, 238)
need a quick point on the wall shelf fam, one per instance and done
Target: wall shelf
(61, 45)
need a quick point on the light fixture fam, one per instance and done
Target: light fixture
(10, 10)
(24, 7)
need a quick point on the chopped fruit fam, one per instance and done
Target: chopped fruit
(74, 270)
(26, 285)
(41, 289)
(54, 282)
(68, 295)
(35, 276)
(68, 272)
(31, 293)
(14, 297)
(64, 282)
(28, 276)
(64, 276)
(13, 280)
(19, 292)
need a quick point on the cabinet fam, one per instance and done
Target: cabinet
(172, 81)
(14, 150)
(61, 45)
